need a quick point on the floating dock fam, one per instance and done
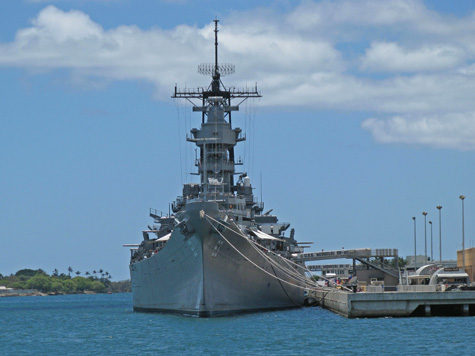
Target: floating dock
(397, 304)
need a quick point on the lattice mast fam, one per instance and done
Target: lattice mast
(216, 138)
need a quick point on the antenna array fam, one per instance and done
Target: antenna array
(209, 69)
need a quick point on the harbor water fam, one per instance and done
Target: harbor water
(104, 324)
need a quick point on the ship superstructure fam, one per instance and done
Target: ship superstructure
(217, 253)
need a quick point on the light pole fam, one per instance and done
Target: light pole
(415, 250)
(462, 197)
(431, 243)
(425, 235)
(440, 234)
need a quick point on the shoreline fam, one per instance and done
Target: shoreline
(21, 293)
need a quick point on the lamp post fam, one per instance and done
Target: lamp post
(462, 197)
(415, 250)
(425, 235)
(440, 233)
(431, 243)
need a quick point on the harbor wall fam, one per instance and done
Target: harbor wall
(17, 292)
(397, 304)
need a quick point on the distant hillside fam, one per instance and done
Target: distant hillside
(61, 283)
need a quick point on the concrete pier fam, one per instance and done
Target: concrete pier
(397, 304)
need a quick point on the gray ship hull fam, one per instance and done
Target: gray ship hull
(203, 272)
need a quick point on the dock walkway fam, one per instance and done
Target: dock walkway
(397, 304)
(362, 255)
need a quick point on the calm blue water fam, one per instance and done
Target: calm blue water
(105, 324)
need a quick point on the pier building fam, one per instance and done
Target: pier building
(469, 262)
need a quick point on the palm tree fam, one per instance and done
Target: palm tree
(70, 270)
(78, 273)
(87, 273)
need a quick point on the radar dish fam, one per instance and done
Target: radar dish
(209, 69)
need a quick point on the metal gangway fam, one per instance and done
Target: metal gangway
(362, 255)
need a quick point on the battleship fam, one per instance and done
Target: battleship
(216, 252)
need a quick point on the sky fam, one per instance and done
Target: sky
(367, 119)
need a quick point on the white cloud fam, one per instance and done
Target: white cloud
(337, 16)
(423, 60)
(408, 18)
(55, 25)
(454, 130)
(389, 56)
(72, 40)
(65, 1)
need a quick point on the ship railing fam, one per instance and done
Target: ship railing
(217, 196)
(157, 213)
(253, 199)
(234, 92)
(384, 252)
(226, 164)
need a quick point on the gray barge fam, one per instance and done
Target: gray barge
(218, 253)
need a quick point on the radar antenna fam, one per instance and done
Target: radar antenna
(216, 69)
(216, 88)
(210, 69)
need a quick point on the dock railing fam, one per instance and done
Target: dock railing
(417, 288)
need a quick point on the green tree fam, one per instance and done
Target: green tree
(69, 286)
(57, 287)
(82, 283)
(40, 282)
(98, 287)
(119, 287)
(18, 285)
(25, 274)
(401, 261)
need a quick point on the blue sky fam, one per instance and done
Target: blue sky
(367, 119)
